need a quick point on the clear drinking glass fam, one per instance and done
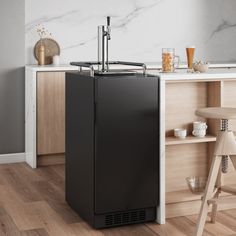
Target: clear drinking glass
(170, 61)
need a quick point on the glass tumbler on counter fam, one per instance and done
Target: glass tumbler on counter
(169, 62)
(190, 55)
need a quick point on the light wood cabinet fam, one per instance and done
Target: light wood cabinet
(192, 156)
(45, 114)
(50, 117)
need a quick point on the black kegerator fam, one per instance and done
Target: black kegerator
(112, 145)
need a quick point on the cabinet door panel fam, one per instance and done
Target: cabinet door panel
(50, 112)
(126, 143)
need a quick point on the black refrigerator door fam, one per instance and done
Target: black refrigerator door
(126, 143)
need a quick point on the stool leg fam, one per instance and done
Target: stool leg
(214, 209)
(216, 196)
(215, 165)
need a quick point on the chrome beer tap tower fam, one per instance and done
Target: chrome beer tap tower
(104, 35)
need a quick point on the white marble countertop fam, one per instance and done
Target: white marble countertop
(64, 67)
(70, 67)
(182, 74)
(216, 71)
(150, 65)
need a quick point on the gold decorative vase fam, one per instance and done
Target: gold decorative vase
(41, 55)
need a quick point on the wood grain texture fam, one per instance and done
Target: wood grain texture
(50, 112)
(13, 177)
(166, 229)
(52, 159)
(190, 139)
(182, 208)
(187, 157)
(230, 101)
(51, 216)
(181, 196)
(210, 186)
(215, 96)
(183, 161)
(182, 99)
(217, 112)
(34, 232)
(7, 226)
(23, 214)
(218, 227)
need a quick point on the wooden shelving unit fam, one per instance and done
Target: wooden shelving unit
(190, 139)
(192, 156)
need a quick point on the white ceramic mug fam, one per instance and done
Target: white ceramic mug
(200, 133)
(180, 133)
(199, 129)
(199, 125)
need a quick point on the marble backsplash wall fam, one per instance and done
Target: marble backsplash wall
(140, 28)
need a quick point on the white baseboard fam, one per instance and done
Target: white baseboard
(12, 158)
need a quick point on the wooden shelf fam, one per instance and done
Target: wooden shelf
(181, 196)
(187, 195)
(189, 139)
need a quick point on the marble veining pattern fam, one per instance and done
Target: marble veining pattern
(223, 26)
(140, 28)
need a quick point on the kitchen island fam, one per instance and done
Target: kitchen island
(181, 94)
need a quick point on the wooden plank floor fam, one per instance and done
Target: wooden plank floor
(32, 204)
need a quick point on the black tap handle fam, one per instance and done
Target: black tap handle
(108, 20)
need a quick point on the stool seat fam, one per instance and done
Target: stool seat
(217, 112)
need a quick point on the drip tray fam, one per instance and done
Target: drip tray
(115, 73)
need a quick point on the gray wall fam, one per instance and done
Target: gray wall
(12, 60)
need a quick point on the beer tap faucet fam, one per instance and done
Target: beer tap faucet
(108, 28)
(104, 35)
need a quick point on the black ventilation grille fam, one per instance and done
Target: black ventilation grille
(125, 218)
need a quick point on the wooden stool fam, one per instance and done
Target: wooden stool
(225, 146)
